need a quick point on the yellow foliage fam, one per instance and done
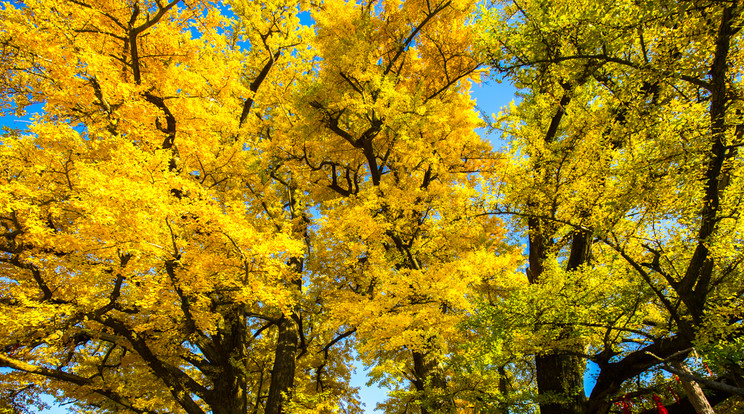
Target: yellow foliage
(218, 202)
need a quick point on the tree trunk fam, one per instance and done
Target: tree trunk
(229, 378)
(282, 374)
(431, 382)
(694, 393)
(503, 390)
(560, 378)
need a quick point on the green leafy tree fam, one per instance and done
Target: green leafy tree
(626, 180)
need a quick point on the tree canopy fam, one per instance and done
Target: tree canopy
(221, 207)
(625, 173)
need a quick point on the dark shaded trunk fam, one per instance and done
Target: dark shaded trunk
(282, 374)
(230, 385)
(560, 378)
(504, 390)
(560, 375)
(431, 382)
(228, 396)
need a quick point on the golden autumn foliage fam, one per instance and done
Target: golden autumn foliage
(220, 207)
(218, 202)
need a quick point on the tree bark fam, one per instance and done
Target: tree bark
(694, 393)
(230, 394)
(282, 374)
(431, 382)
(560, 376)
(504, 390)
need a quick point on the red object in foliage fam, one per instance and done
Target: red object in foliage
(625, 402)
(674, 394)
(659, 406)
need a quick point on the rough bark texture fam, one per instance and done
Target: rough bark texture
(694, 393)
(503, 389)
(282, 375)
(560, 376)
(229, 396)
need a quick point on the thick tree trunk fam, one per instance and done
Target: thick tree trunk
(230, 394)
(560, 378)
(431, 382)
(504, 390)
(694, 393)
(282, 375)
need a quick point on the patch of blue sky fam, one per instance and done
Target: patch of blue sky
(492, 96)
(369, 394)
(10, 120)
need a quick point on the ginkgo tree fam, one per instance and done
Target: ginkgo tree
(218, 202)
(391, 147)
(625, 177)
(139, 271)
